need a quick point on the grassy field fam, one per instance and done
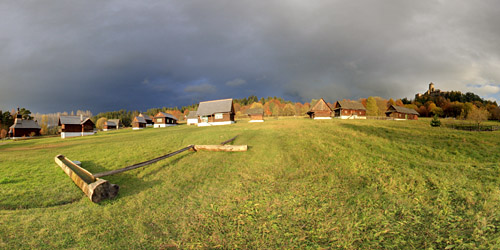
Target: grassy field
(303, 184)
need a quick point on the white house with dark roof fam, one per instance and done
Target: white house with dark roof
(216, 112)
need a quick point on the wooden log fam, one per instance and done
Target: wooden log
(96, 189)
(226, 148)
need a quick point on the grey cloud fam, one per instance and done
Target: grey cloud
(61, 55)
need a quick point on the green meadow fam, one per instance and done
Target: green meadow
(363, 184)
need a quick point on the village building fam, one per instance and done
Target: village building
(192, 117)
(216, 112)
(24, 128)
(162, 120)
(401, 113)
(349, 110)
(139, 122)
(72, 126)
(148, 119)
(256, 114)
(110, 125)
(320, 110)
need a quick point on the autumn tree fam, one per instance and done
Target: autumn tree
(391, 102)
(3, 133)
(371, 107)
(100, 123)
(44, 124)
(288, 110)
(478, 115)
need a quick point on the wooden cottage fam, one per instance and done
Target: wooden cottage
(72, 126)
(162, 120)
(139, 122)
(320, 110)
(110, 124)
(148, 119)
(217, 112)
(24, 128)
(349, 110)
(192, 117)
(401, 113)
(256, 114)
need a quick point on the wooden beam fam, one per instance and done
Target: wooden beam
(226, 148)
(96, 189)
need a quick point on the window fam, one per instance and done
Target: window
(159, 120)
(218, 116)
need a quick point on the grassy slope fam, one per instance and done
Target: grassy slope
(303, 183)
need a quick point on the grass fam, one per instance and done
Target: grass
(302, 184)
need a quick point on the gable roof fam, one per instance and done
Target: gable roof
(166, 115)
(139, 119)
(215, 106)
(255, 111)
(192, 114)
(146, 117)
(72, 119)
(349, 105)
(115, 121)
(110, 123)
(21, 123)
(403, 110)
(321, 105)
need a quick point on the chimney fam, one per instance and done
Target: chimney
(81, 118)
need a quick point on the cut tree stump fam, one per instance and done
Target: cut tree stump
(226, 148)
(96, 189)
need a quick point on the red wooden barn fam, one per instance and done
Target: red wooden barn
(72, 126)
(349, 110)
(320, 110)
(401, 113)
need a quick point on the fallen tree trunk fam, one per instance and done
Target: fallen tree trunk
(96, 189)
(226, 148)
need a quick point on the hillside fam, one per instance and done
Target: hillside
(362, 184)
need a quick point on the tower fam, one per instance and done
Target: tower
(431, 87)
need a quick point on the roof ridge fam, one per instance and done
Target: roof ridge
(218, 100)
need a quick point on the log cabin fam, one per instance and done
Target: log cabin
(24, 128)
(72, 126)
(110, 125)
(320, 110)
(192, 118)
(401, 113)
(139, 122)
(256, 114)
(162, 120)
(148, 119)
(216, 112)
(349, 110)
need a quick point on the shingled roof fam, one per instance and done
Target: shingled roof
(110, 123)
(21, 123)
(72, 119)
(215, 106)
(167, 115)
(146, 117)
(140, 119)
(192, 114)
(115, 121)
(354, 105)
(255, 111)
(400, 109)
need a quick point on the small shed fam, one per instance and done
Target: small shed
(320, 110)
(349, 110)
(139, 123)
(162, 120)
(24, 128)
(110, 125)
(192, 117)
(72, 126)
(401, 113)
(216, 112)
(256, 114)
(148, 119)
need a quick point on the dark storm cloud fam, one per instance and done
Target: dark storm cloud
(68, 55)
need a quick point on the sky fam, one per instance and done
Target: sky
(101, 56)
